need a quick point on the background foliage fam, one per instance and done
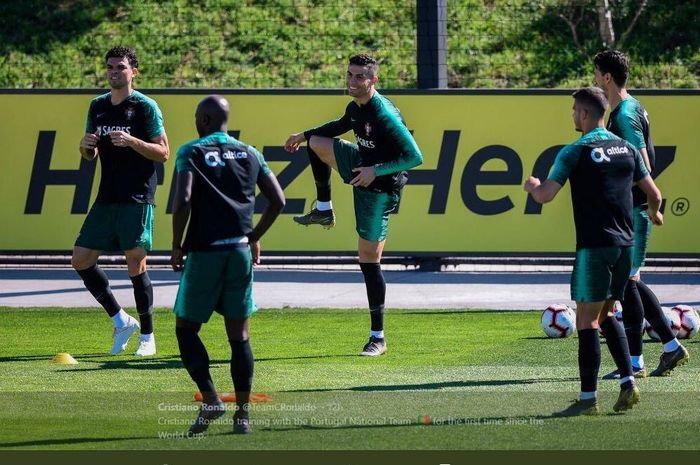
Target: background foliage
(305, 43)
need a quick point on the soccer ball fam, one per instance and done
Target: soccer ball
(558, 320)
(689, 321)
(673, 321)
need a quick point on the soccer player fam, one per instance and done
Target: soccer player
(602, 168)
(376, 169)
(629, 120)
(125, 129)
(216, 179)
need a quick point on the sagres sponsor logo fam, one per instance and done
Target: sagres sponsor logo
(365, 143)
(213, 159)
(105, 130)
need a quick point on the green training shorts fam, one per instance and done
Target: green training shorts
(220, 281)
(372, 209)
(600, 273)
(115, 227)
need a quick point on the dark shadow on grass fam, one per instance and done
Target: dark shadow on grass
(172, 362)
(304, 357)
(57, 442)
(442, 385)
(446, 312)
(160, 363)
(26, 358)
(76, 289)
(49, 357)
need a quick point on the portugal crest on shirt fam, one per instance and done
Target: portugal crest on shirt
(368, 128)
(129, 112)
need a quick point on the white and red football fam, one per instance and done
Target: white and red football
(689, 321)
(558, 320)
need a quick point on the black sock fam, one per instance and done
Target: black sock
(143, 295)
(588, 359)
(322, 176)
(196, 360)
(617, 345)
(654, 313)
(627, 385)
(242, 366)
(97, 283)
(376, 293)
(633, 318)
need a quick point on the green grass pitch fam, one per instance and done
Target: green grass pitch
(450, 380)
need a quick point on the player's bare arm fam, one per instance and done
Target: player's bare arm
(647, 185)
(156, 150)
(542, 192)
(88, 146)
(181, 214)
(293, 142)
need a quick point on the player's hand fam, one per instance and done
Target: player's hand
(365, 176)
(89, 141)
(177, 259)
(255, 251)
(531, 184)
(120, 138)
(293, 142)
(656, 218)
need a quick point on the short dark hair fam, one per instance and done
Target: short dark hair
(123, 52)
(363, 59)
(614, 62)
(593, 98)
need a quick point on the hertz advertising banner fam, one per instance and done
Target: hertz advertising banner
(466, 197)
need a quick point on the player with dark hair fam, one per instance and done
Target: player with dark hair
(602, 168)
(376, 168)
(630, 121)
(215, 191)
(125, 129)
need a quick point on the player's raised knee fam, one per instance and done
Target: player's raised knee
(323, 147)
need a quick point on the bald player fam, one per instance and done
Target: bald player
(215, 191)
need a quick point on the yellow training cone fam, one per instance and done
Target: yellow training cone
(64, 359)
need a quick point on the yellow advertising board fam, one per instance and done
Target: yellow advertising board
(466, 198)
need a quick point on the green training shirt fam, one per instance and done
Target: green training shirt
(226, 172)
(602, 169)
(127, 176)
(382, 139)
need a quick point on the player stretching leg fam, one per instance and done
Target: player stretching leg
(375, 168)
